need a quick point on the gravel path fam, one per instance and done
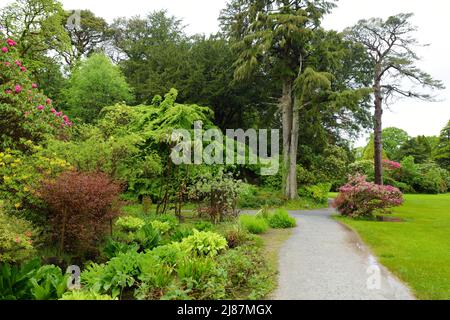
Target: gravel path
(323, 260)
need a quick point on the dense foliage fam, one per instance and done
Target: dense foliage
(102, 191)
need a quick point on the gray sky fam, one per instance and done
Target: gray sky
(416, 117)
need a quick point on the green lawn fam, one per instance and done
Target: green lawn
(418, 250)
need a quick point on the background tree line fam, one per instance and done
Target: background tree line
(271, 65)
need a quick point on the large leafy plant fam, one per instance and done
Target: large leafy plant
(204, 244)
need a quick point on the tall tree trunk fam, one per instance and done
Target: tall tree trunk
(293, 189)
(287, 116)
(378, 130)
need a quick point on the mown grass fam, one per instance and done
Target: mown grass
(417, 250)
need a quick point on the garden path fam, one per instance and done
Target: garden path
(324, 260)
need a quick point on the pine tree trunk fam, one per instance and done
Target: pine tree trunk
(378, 128)
(293, 189)
(287, 116)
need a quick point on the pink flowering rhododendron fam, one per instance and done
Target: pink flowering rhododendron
(391, 165)
(5, 49)
(27, 113)
(360, 198)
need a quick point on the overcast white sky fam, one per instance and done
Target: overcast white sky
(417, 118)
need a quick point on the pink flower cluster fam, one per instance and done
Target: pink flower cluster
(10, 43)
(65, 118)
(391, 165)
(360, 198)
(54, 118)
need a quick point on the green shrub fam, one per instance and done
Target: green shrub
(253, 197)
(204, 244)
(253, 224)
(204, 226)
(424, 178)
(281, 220)
(248, 274)
(84, 295)
(318, 193)
(130, 224)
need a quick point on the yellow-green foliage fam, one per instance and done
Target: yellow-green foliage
(130, 223)
(85, 295)
(15, 239)
(204, 243)
(162, 227)
(21, 175)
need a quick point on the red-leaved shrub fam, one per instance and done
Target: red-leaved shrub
(359, 198)
(82, 206)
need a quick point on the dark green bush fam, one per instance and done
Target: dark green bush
(252, 197)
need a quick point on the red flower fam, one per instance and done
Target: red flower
(18, 63)
(23, 69)
(48, 101)
(40, 108)
(5, 49)
(18, 89)
(34, 85)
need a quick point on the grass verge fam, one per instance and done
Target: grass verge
(417, 250)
